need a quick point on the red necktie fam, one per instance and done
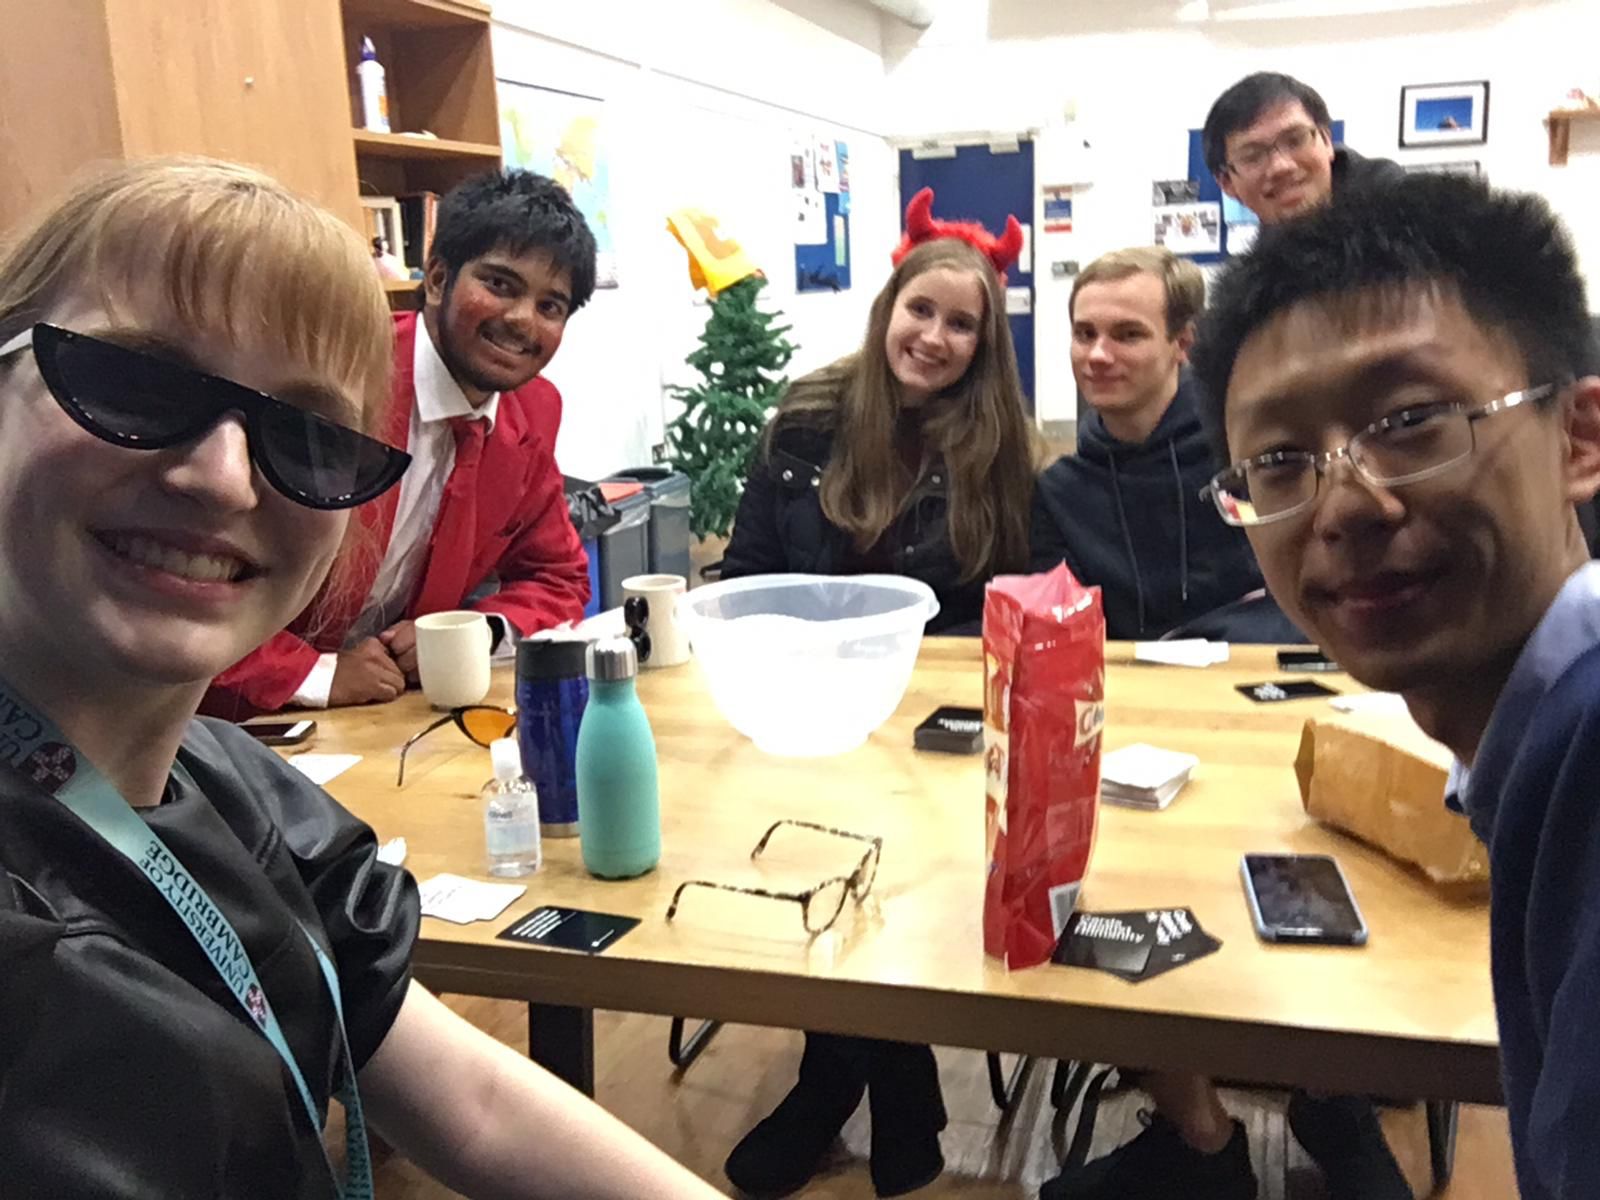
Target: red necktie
(455, 536)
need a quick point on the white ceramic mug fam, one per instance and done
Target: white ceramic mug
(453, 657)
(669, 644)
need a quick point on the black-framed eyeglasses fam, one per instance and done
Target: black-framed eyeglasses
(1253, 157)
(821, 904)
(142, 402)
(483, 723)
(1408, 446)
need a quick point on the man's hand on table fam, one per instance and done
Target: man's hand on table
(367, 673)
(401, 641)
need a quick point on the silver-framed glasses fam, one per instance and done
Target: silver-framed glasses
(1407, 446)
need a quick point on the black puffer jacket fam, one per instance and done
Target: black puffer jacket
(1352, 171)
(781, 527)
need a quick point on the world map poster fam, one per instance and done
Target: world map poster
(564, 136)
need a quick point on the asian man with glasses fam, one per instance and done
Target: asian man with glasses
(1400, 387)
(1269, 141)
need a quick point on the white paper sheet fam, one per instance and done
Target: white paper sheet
(319, 768)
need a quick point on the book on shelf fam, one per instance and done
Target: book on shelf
(419, 216)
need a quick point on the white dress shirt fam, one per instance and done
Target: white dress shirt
(432, 446)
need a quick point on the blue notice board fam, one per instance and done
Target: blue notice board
(826, 267)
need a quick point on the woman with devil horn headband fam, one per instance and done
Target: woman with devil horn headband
(913, 456)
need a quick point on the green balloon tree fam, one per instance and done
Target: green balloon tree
(741, 358)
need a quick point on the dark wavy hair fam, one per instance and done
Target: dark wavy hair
(515, 211)
(1504, 254)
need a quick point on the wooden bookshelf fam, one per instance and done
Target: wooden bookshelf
(98, 80)
(404, 295)
(439, 70)
(417, 14)
(272, 84)
(410, 146)
(1561, 122)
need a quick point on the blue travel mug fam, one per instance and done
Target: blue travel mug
(552, 692)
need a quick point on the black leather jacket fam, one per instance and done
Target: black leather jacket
(781, 527)
(127, 1069)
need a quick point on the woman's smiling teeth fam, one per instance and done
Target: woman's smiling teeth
(924, 358)
(203, 568)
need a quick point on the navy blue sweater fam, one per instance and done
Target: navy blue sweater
(1533, 796)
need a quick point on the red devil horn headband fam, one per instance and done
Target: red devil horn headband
(923, 226)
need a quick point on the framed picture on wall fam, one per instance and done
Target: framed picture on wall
(1444, 114)
(1465, 167)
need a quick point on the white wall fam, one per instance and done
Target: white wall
(701, 98)
(1134, 80)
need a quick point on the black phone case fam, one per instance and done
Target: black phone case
(1279, 934)
(283, 739)
(1303, 660)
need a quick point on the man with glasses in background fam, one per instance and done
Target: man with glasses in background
(1402, 387)
(1269, 141)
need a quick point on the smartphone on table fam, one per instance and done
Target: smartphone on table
(1305, 660)
(280, 733)
(1302, 898)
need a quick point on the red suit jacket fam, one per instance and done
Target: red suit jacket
(523, 536)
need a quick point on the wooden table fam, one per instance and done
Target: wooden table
(1408, 1015)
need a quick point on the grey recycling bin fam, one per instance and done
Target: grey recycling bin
(624, 548)
(668, 542)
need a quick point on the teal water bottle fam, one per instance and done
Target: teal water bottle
(619, 806)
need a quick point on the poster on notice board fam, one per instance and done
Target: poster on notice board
(1183, 223)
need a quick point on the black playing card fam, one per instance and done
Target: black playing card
(1274, 691)
(1179, 941)
(568, 929)
(1117, 943)
(1134, 945)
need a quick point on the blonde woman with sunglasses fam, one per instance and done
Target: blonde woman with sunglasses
(199, 948)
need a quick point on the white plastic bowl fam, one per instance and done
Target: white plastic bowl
(808, 665)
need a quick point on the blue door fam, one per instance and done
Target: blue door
(981, 183)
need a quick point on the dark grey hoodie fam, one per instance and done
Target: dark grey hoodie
(1129, 519)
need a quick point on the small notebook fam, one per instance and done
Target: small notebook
(1142, 776)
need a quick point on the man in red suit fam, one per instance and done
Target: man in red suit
(482, 507)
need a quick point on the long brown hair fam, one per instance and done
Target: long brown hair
(978, 426)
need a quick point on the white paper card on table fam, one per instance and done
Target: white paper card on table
(1182, 652)
(320, 768)
(456, 898)
(1144, 776)
(1383, 703)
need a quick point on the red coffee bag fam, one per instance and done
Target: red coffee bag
(1044, 654)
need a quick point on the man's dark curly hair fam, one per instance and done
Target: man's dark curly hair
(1505, 254)
(515, 211)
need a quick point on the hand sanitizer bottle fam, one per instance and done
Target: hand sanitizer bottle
(510, 814)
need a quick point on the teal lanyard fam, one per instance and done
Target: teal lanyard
(32, 746)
